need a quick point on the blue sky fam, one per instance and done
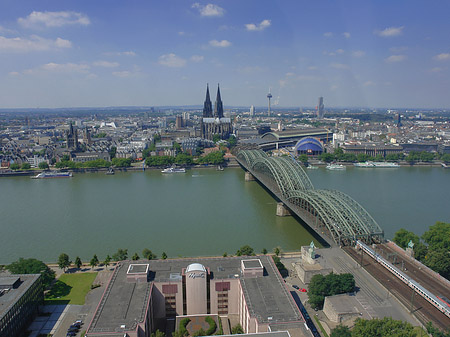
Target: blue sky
(56, 53)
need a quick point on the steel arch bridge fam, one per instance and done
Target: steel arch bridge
(335, 213)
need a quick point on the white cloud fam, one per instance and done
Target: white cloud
(181, 33)
(328, 34)
(442, 57)
(121, 53)
(368, 83)
(171, 60)
(106, 64)
(13, 73)
(346, 35)
(339, 66)
(122, 74)
(209, 9)
(340, 51)
(358, 53)
(436, 69)
(289, 74)
(197, 58)
(34, 43)
(65, 67)
(61, 43)
(222, 44)
(395, 58)
(309, 78)
(54, 19)
(312, 68)
(258, 27)
(390, 31)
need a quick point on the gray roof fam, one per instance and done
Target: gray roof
(9, 298)
(125, 303)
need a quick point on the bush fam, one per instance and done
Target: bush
(237, 329)
(212, 326)
(332, 284)
(182, 327)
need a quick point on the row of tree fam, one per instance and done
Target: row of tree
(213, 158)
(412, 157)
(26, 166)
(432, 248)
(375, 328)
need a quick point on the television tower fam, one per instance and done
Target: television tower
(269, 96)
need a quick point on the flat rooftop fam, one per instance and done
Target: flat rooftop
(254, 263)
(10, 297)
(125, 303)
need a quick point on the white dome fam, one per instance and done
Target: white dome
(195, 267)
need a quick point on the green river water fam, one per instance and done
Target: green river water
(202, 212)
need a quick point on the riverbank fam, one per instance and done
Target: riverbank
(32, 172)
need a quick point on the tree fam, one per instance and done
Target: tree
(403, 236)
(158, 333)
(120, 255)
(439, 261)
(33, 266)
(26, 166)
(112, 152)
(341, 331)
(327, 157)
(107, 260)
(383, 327)
(14, 166)
(164, 255)
(135, 257)
(94, 261)
(264, 251)
(277, 251)
(245, 250)
(232, 141)
(63, 261)
(121, 162)
(278, 263)
(148, 254)
(78, 262)
(216, 138)
(438, 236)
(303, 158)
(237, 329)
(331, 284)
(43, 165)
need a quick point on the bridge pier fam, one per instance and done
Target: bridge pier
(249, 176)
(282, 210)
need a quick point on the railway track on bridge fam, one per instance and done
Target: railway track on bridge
(421, 308)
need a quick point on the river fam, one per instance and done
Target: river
(202, 212)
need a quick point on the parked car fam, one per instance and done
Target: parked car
(303, 290)
(296, 287)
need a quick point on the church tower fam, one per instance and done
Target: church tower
(218, 106)
(207, 106)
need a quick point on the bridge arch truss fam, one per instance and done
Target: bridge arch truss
(343, 218)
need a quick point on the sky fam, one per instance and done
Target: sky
(354, 53)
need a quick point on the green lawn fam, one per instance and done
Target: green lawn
(70, 288)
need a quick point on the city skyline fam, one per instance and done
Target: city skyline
(84, 54)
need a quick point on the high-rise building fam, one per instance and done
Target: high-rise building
(179, 122)
(87, 136)
(320, 108)
(214, 123)
(252, 111)
(72, 138)
(269, 96)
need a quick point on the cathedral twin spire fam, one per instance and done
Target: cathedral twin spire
(218, 105)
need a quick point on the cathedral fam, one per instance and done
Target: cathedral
(213, 122)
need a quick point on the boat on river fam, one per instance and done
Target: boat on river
(335, 167)
(376, 164)
(174, 170)
(50, 174)
(110, 171)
